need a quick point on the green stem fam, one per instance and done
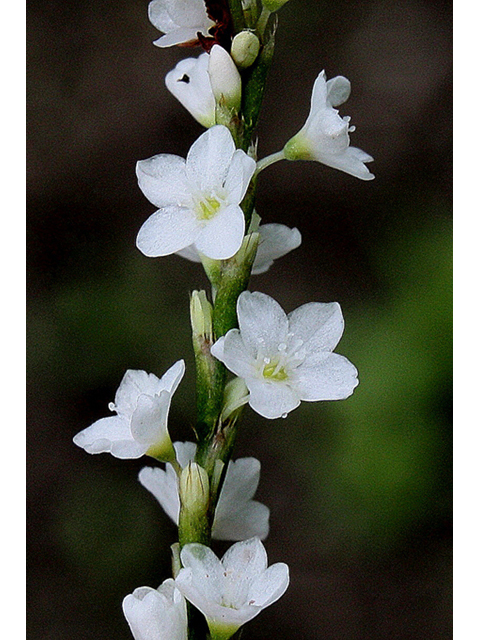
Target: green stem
(236, 11)
(269, 160)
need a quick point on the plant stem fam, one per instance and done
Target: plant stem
(269, 160)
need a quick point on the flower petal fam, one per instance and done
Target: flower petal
(276, 240)
(262, 321)
(325, 378)
(162, 179)
(209, 159)
(272, 399)
(268, 587)
(231, 350)
(351, 161)
(319, 325)
(222, 236)
(149, 420)
(168, 230)
(338, 91)
(240, 172)
(173, 376)
(110, 435)
(164, 486)
(189, 82)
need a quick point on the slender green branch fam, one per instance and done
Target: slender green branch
(269, 160)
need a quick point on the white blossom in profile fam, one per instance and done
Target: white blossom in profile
(276, 240)
(198, 198)
(325, 135)
(157, 614)
(142, 403)
(284, 359)
(190, 83)
(237, 515)
(180, 21)
(231, 591)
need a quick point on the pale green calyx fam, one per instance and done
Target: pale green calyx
(245, 48)
(201, 315)
(194, 489)
(225, 79)
(273, 5)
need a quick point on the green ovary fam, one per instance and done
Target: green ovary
(274, 372)
(207, 208)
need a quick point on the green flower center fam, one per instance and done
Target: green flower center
(274, 371)
(207, 208)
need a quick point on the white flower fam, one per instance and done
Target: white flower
(198, 199)
(324, 136)
(157, 614)
(179, 20)
(285, 359)
(142, 403)
(237, 515)
(276, 240)
(234, 590)
(190, 83)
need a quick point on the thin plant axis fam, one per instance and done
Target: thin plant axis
(248, 351)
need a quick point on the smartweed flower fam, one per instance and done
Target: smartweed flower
(157, 614)
(325, 135)
(190, 83)
(142, 403)
(231, 591)
(285, 359)
(198, 199)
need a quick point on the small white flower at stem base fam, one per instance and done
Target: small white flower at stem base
(142, 403)
(198, 198)
(157, 614)
(179, 21)
(190, 83)
(285, 359)
(231, 591)
(276, 240)
(237, 515)
(324, 136)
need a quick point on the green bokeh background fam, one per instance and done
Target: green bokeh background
(359, 490)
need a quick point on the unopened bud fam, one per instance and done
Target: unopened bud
(194, 489)
(245, 48)
(201, 315)
(224, 78)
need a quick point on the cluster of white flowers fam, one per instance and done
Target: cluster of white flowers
(278, 359)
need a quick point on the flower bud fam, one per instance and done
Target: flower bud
(225, 78)
(194, 489)
(245, 48)
(194, 502)
(201, 315)
(273, 5)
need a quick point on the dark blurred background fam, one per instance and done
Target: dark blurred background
(359, 490)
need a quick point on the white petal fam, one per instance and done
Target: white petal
(231, 350)
(240, 172)
(330, 378)
(164, 486)
(189, 13)
(276, 240)
(189, 82)
(338, 90)
(241, 522)
(190, 253)
(168, 230)
(162, 179)
(172, 377)
(209, 159)
(134, 383)
(159, 16)
(204, 576)
(185, 452)
(222, 235)
(246, 559)
(149, 420)
(270, 585)
(351, 161)
(272, 399)
(110, 435)
(179, 35)
(319, 94)
(319, 325)
(262, 321)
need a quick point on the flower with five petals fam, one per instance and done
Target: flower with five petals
(142, 403)
(198, 198)
(324, 136)
(284, 359)
(181, 22)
